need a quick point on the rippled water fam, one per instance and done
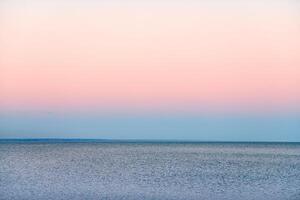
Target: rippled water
(211, 171)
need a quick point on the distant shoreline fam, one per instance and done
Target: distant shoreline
(86, 140)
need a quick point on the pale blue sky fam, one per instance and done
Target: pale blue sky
(206, 127)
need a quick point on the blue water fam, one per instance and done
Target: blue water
(114, 170)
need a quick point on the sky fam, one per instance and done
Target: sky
(218, 70)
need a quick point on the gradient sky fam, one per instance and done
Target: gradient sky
(192, 70)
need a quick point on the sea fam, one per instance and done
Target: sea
(148, 170)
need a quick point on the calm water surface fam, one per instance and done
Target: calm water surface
(181, 171)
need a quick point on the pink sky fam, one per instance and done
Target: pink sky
(158, 55)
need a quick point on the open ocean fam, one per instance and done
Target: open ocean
(88, 169)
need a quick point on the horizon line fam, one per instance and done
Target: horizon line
(103, 140)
